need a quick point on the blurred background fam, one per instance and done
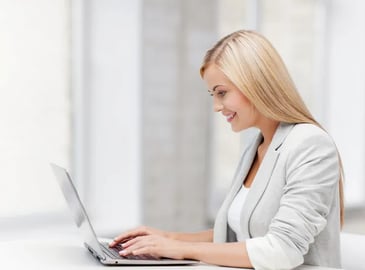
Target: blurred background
(110, 89)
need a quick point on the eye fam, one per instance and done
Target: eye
(221, 93)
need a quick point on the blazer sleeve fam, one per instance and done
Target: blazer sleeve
(312, 175)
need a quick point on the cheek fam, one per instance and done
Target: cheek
(241, 102)
(244, 108)
(247, 115)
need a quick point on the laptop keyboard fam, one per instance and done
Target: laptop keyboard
(114, 253)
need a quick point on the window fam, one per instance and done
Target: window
(34, 104)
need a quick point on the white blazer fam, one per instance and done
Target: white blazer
(291, 214)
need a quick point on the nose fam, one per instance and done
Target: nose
(217, 105)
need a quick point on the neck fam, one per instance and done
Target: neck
(268, 128)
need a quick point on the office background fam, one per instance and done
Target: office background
(111, 90)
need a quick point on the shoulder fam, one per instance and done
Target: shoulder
(308, 135)
(309, 129)
(309, 145)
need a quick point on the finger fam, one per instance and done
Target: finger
(126, 237)
(113, 243)
(135, 244)
(142, 230)
(121, 239)
(144, 250)
(150, 251)
(131, 242)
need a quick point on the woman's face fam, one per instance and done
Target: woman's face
(229, 100)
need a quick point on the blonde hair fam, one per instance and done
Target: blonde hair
(255, 67)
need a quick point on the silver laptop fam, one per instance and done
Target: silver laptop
(101, 250)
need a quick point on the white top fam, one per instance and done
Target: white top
(235, 210)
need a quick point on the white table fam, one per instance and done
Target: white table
(66, 252)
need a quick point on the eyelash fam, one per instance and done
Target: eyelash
(221, 93)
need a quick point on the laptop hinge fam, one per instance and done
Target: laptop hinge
(95, 254)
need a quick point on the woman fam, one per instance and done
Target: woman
(285, 205)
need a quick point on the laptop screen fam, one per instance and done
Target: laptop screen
(77, 209)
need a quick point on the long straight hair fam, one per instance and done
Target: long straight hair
(255, 67)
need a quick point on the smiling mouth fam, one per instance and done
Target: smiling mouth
(230, 117)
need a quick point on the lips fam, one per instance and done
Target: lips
(230, 117)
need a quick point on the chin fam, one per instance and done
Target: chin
(239, 128)
(235, 129)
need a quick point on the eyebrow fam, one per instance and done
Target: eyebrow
(214, 88)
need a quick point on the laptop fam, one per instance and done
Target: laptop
(101, 250)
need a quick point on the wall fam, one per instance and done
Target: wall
(175, 112)
(106, 88)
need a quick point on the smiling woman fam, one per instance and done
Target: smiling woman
(285, 205)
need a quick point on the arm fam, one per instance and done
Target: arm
(204, 236)
(225, 254)
(312, 174)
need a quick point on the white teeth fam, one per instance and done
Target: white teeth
(229, 117)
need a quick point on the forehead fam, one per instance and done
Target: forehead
(214, 76)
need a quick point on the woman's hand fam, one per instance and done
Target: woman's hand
(140, 231)
(155, 245)
(196, 246)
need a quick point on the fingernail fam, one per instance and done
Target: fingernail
(123, 252)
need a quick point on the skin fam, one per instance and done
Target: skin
(240, 113)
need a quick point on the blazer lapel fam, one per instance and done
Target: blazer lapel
(221, 222)
(245, 166)
(263, 175)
